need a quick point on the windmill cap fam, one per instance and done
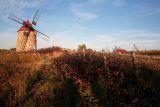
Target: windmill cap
(28, 23)
(24, 28)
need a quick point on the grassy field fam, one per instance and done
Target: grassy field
(56, 78)
(150, 52)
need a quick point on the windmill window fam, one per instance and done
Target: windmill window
(26, 33)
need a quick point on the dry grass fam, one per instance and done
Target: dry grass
(53, 77)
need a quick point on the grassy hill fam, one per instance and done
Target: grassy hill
(55, 77)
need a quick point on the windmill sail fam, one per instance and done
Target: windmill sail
(36, 18)
(16, 19)
(42, 33)
(43, 38)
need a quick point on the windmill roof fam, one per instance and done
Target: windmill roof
(23, 28)
(121, 50)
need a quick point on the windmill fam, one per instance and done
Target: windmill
(27, 35)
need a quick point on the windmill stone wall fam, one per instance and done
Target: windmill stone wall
(21, 41)
(31, 41)
(26, 43)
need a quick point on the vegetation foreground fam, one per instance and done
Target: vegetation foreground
(58, 78)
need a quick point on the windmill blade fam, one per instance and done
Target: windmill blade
(42, 33)
(16, 18)
(36, 18)
(43, 38)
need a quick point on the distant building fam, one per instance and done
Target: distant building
(120, 51)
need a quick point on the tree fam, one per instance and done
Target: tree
(82, 47)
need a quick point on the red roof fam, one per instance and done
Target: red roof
(28, 23)
(121, 51)
(23, 28)
(26, 26)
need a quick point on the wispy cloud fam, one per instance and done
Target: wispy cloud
(144, 10)
(85, 15)
(100, 41)
(83, 9)
(68, 38)
(119, 2)
(98, 1)
(150, 11)
(125, 39)
(92, 3)
(106, 38)
(108, 2)
(17, 6)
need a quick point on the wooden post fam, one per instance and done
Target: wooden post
(36, 43)
(133, 60)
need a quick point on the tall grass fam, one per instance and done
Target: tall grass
(57, 78)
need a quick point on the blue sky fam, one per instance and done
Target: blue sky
(100, 24)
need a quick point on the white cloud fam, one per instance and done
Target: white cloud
(85, 15)
(118, 2)
(126, 39)
(99, 42)
(105, 38)
(69, 38)
(80, 9)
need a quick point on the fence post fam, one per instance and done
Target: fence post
(133, 60)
